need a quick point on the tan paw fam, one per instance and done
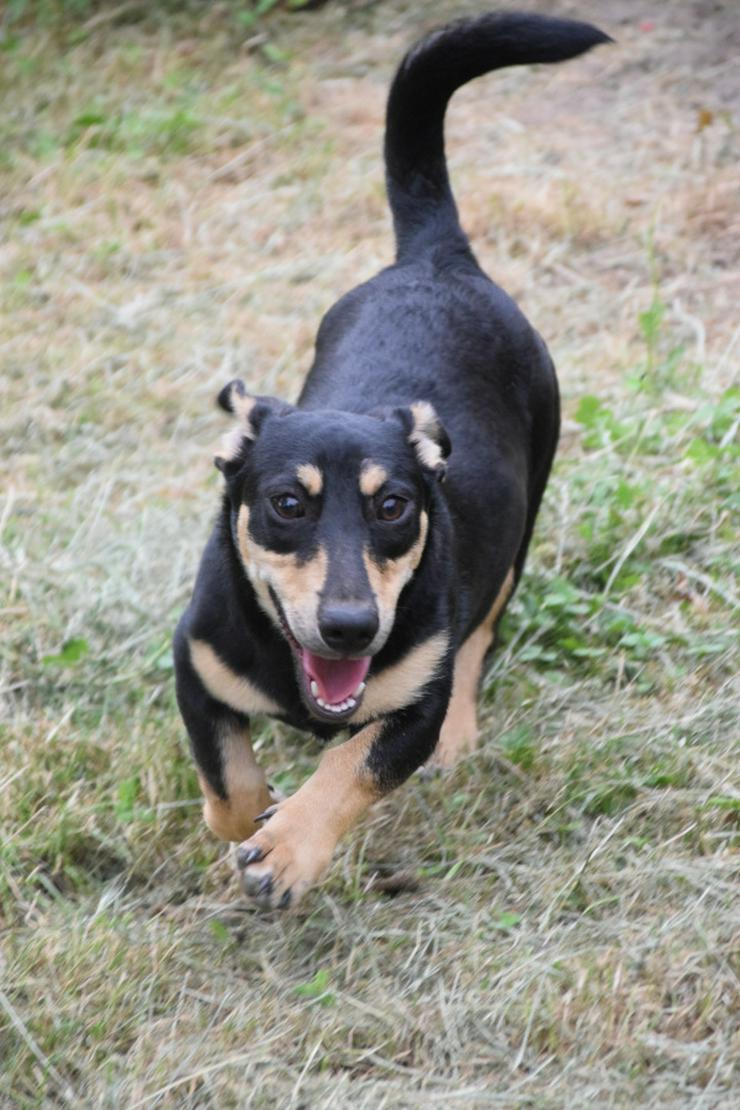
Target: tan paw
(284, 859)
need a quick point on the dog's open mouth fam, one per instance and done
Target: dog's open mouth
(331, 688)
(334, 686)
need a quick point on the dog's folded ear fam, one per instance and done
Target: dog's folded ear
(430, 440)
(426, 435)
(251, 412)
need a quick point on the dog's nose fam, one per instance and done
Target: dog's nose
(348, 626)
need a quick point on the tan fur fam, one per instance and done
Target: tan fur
(372, 477)
(388, 578)
(242, 405)
(247, 795)
(459, 734)
(297, 584)
(310, 478)
(403, 683)
(225, 685)
(231, 445)
(298, 842)
(426, 428)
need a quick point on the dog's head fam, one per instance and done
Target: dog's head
(330, 514)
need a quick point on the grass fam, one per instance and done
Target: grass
(556, 922)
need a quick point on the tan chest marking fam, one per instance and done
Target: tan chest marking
(459, 734)
(226, 685)
(404, 682)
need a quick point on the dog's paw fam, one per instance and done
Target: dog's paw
(284, 859)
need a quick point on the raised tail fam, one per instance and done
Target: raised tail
(418, 186)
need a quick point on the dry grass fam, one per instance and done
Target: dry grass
(556, 923)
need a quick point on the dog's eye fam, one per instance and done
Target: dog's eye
(287, 506)
(391, 508)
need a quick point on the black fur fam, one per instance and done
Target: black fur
(432, 327)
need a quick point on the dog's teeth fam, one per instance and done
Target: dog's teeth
(314, 688)
(360, 689)
(338, 707)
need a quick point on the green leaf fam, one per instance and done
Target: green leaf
(22, 279)
(518, 746)
(316, 988)
(88, 119)
(71, 653)
(724, 801)
(273, 53)
(126, 795)
(699, 451)
(624, 494)
(650, 320)
(219, 930)
(507, 920)
(589, 410)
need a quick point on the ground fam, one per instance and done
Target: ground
(555, 924)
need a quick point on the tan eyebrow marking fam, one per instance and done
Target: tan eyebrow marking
(372, 477)
(310, 478)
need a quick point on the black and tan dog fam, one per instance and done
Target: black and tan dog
(371, 535)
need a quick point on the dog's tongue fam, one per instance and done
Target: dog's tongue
(337, 679)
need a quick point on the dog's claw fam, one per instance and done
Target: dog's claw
(245, 856)
(263, 893)
(266, 814)
(284, 901)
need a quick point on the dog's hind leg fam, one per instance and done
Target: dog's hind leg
(459, 735)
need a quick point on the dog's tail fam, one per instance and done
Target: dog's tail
(419, 191)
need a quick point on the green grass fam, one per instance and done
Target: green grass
(555, 922)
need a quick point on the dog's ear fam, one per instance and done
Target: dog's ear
(426, 435)
(251, 412)
(430, 440)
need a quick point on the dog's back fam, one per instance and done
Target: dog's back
(434, 327)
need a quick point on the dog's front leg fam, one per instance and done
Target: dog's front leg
(296, 844)
(234, 787)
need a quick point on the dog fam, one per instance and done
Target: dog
(371, 535)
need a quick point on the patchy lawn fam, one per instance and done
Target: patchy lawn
(557, 922)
